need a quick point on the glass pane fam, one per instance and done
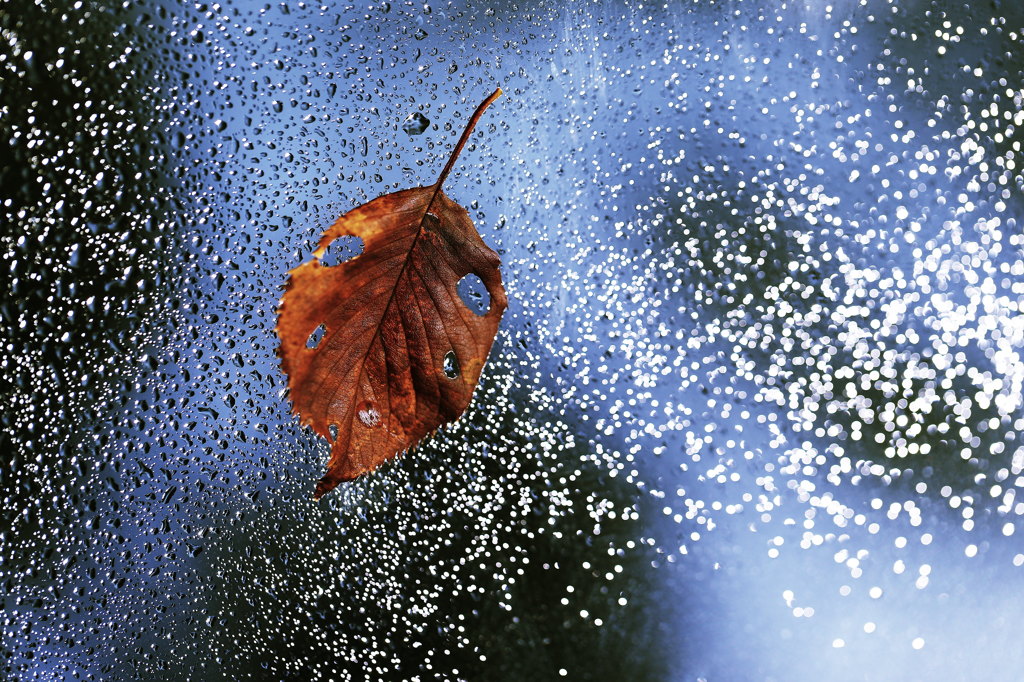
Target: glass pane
(753, 411)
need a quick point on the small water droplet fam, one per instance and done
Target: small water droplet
(368, 414)
(415, 124)
(451, 365)
(420, 34)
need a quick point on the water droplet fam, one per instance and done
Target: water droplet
(416, 123)
(420, 34)
(431, 222)
(451, 365)
(368, 414)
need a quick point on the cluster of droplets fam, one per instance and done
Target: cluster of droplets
(762, 354)
(820, 324)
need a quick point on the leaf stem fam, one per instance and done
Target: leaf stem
(462, 140)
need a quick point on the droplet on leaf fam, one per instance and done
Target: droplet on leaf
(369, 415)
(431, 222)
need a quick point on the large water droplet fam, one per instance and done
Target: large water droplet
(368, 414)
(416, 124)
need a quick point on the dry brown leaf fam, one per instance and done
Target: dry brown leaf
(392, 323)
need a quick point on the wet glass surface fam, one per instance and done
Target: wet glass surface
(754, 411)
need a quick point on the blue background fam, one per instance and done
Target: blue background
(753, 411)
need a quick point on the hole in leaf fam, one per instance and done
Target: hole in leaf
(316, 337)
(450, 365)
(344, 248)
(474, 294)
(368, 414)
(333, 428)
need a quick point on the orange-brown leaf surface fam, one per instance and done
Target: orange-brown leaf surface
(399, 353)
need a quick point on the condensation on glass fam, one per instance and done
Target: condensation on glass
(754, 411)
